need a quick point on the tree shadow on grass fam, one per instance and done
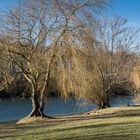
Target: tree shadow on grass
(107, 136)
(99, 136)
(97, 126)
(111, 136)
(14, 127)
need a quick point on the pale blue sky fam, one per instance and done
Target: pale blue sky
(130, 9)
(5, 4)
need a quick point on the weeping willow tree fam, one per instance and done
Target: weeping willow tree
(44, 41)
(70, 72)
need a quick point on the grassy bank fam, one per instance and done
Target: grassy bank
(120, 123)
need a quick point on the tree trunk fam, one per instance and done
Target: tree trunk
(42, 103)
(104, 104)
(37, 107)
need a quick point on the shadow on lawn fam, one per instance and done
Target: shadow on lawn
(52, 122)
(12, 130)
(97, 126)
(101, 135)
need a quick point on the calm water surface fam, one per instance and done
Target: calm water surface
(13, 109)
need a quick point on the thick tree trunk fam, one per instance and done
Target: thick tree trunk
(42, 103)
(104, 104)
(37, 107)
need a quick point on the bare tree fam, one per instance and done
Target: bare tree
(6, 75)
(113, 62)
(40, 32)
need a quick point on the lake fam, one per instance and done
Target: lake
(14, 109)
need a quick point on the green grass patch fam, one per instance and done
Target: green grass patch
(124, 126)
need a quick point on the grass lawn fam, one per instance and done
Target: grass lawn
(119, 123)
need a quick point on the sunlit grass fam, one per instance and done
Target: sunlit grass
(77, 128)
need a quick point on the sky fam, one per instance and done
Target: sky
(5, 4)
(129, 9)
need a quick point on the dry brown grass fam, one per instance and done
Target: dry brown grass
(102, 113)
(114, 111)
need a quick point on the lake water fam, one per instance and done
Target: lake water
(14, 109)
